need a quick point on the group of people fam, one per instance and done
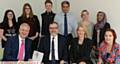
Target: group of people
(61, 37)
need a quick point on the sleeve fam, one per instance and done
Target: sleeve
(30, 50)
(8, 55)
(38, 24)
(74, 25)
(94, 37)
(18, 23)
(117, 55)
(41, 44)
(72, 52)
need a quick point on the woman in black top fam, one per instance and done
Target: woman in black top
(9, 23)
(28, 17)
(81, 47)
(100, 28)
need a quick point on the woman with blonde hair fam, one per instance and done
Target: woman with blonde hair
(81, 47)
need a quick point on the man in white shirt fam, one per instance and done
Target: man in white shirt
(72, 22)
(53, 46)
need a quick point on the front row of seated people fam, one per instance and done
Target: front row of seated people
(54, 47)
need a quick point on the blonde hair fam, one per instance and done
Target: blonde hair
(85, 29)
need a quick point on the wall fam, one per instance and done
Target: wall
(110, 7)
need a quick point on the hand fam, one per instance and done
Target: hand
(62, 62)
(98, 62)
(4, 38)
(82, 62)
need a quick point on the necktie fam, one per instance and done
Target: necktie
(65, 25)
(21, 52)
(53, 50)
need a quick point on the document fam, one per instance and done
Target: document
(37, 56)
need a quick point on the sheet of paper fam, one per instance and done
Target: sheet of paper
(37, 56)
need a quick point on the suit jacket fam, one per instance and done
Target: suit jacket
(12, 49)
(47, 18)
(45, 48)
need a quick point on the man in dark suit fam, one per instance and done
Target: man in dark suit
(53, 46)
(18, 47)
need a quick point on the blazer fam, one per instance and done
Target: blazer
(80, 52)
(45, 48)
(12, 49)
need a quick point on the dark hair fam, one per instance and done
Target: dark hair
(83, 12)
(65, 2)
(48, 1)
(113, 33)
(5, 20)
(31, 12)
(1, 26)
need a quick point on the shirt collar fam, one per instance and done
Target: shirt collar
(20, 38)
(54, 36)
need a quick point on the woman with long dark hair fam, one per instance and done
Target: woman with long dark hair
(9, 23)
(81, 47)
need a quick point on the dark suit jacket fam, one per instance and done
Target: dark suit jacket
(101, 36)
(12, 49)
(45, 48)
(47, 18)
(80, 52)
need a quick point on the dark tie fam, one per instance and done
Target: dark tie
(53, 50)
(65, 25)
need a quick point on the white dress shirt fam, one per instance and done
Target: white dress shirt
(20, 42)
(55, 46)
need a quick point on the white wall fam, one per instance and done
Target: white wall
(111, 7)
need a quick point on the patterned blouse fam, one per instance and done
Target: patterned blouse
(112, 57)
